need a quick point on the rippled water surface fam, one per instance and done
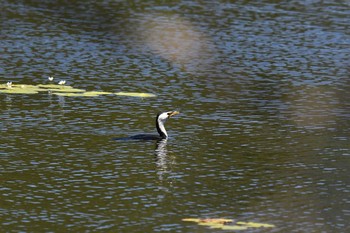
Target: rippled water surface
(263, 134)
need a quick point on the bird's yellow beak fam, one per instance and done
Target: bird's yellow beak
(173, 113)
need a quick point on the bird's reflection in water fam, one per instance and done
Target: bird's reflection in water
(164, 164)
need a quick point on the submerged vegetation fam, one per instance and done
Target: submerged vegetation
(62, 90)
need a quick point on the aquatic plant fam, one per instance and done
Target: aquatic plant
(62, 90)
(227, 224)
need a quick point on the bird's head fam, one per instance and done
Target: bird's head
(166, 115)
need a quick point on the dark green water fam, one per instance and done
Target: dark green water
(263, 134)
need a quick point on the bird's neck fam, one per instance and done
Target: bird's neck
(161, 129)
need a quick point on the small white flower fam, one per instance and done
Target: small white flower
(9, 84)
(50, 78)
(62, 82)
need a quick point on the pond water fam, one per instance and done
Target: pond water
(263, 134)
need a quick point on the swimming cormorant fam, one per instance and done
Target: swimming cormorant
(160, 121)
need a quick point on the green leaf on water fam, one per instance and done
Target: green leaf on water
(62, 90)
(227, 224)
(100, 92)
(34, 89)
(83, 94)
(255, 224)
(224, 227)
(19, 91)
(53, 86)
(59, 88)
(209, 220)
(24, 86)
(135, 94)
(68, 90)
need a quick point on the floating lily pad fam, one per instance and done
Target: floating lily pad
(53, 86)
(83, 94)
(135, 94)
(100, 92)
(209, 220)
(68, 90)
(24, 86)
(62, 90)
(227, 224)
(224, 227)
(4, 86)
(255, 224)
(19, 91)
(59, 88)
(34, 89)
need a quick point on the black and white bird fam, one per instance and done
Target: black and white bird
(160, 121)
